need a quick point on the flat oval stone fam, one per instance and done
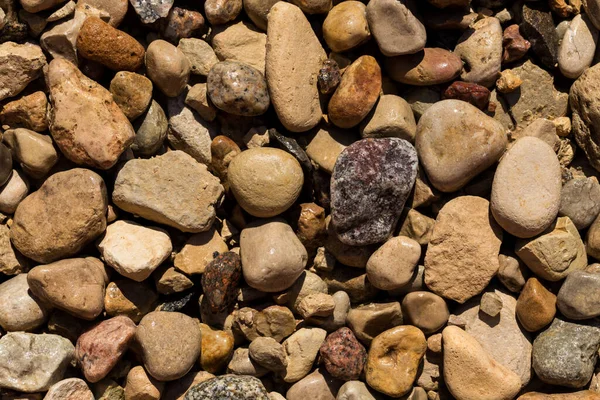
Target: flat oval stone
(577, 48)
(579, 295)
(20, 310)
(425, 310)
(238, 89)
(431, 66)
(456, 141)
(370, 183)
(526, 190)
(346, 26)
(357, 93)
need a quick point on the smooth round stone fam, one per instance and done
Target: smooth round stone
(579, 295)
(536, 306)
(315, 385)
(577, 48)
(580, 201)
(167, 67)
(5, 164)
(231, 387)
(357, 93)
(217, 348)
(13, 192)
(526, 190)
(345, 26)
(425, 310)
(220, 12)
(265, 181)
(431, 66)
(132, 93)
(238, 89)
(391, 117)
(150, 131)
(20, 310)
(393, 264)
(456, 141)
(170, 344)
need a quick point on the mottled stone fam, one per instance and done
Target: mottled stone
(343, 355)
(132, 92)
(20, 310)
(20, 64)
(577, 298)
(432, 66)
(329, 76)
(580, 201)
(176, 390)
(28, 112)
(229, 386)
(345, 26)
(538, 27)
(369, 320)
(217, 349)
(515, 46)
(199, 54)
(150, 11)
(182, 23)
(472, 93)
(150, 131)
(69, 389)
(129, 298)
(220, 12)
(220, 281)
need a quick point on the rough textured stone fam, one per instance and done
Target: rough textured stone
(578, 298)
(240, 42)
(369, 320)
(431, 66)
(20, 310)
(150, 11)
(199, 54)
(515, 46)
(538, 27)
(129, 298)
(182, 23)
(28, 112)
(268, 353)
(21, 64)
(198, 99)
(69, 389)
(220, 281)
(132, 93)
(301, 349)
(360, 196)
(343, 355)
(199, 251)
(230, 386)
(580, 201)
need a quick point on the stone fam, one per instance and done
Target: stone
(462, 256)
(197, 98)
(491, 304)
(316, 305)
(216, 350)
(29, 111)
(115, 9)
(393, 360)
(472, 93)
(508, 81)
(169, 343)
(357, 93)
(25, 365)
(265, 181)
(512, 272)
(133, 250)
(581, 395)
(369, 320)
(317, 384)
(340, 312)
(556, 253)
(538, 28)
(592, 242)
(223, 150)
(34, 152)
(238, 89)
(395, 27)
(417, 226)
(69, 389)
(129, 298)
(515, 46)
(427, 311)
(354, 390)
(149, 12)
(181, 193)
(536, 306)
(391, 117)
(140, 386)
(242, 364)
(221, 280)
(34, 6)
(13, 192)
(344, 357)
(199, 251)
(329, 76)
(306, 284)
(580, 201)
(176, 390)
(346, 26)
(393, 264)
(301, 349)
(311, 226)
(565, 353)
(99, 349)
(200, 55)
(232, 386)
(61, 40)
(481, 49)
(132, 93)
(85, 122)
(325, 147)
(527, 177)
(11, 261)
(257, 11)
(20, 310)
(268, 353)
(21, 64)
(274, 321)
(293, 58)
(360, 195)
(577, 296)
(456, 142)
(168, 280)
(314, 6)
(272, 256)
(167, 67)
(542, 129)
(575, 53)
(470, 372)
(220, 12)
(240, 42)
(45, 230)
(182, 23)
(431, 66)
(150, 131)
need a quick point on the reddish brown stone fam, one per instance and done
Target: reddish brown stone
(329, 76)
(472, 93)
(99, 349)
(27, 112)
(182, 23)
(343, 355)
(220, 281)
(431, 66)
(515, 45)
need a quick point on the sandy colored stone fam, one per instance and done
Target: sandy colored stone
(69, 389)
(462, 256)
(61, 40)
(575, 53)
(257, 11)
(354, 390)
(241, 42)
(391, 117)
(167, 67)
(471, 373)
(315, 385)
(28, 112)
(417, 226)
(64, 215)
(325, 147)
(132, 93)
(197, 99)
(242, 364)
(311, 227)
(346, 26)
(34, 152)
(491, 304)
(268, 353)
(508, 81)
(301, 349)
(217, 348)
(392, 265)
(580, 201)
(220, 12)
(428, 67)
(425, 310)
(581, 395)
(11, 261)
(116, 9)
(294, 56)
(536, 306)
(198, 252)
(20, 64)
(13, 192)
(140, 386)
(200, 55)
(85, 122)
(176, 390)
(369, 320)
(168, 280)
(20, 310)
(542, 129)
(129, 298)
(316, 305)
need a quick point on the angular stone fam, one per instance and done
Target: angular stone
(168, 280)
(391, 117)
(241, 42)
(580, 201)
(221, 280)
(197, 98)
(151, 11)
(229, 386)
(129, 298)
(268, 353)
(69, 389)
(200, 55)
(199, 251)
(242, 364)
(11, 261)
(20, 310)
(26, 112)
(20, 64)
(578, 295)
(538, 27)
(325, 147)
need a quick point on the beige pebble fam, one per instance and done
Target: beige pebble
(491, 304)
(346, 26)
(197, 98)
(325, 147)
(198, 251)
(34, 152)
(222, 11)
(391, 117)
(13, 192)
(242, 364)
(129, 298)
(132, 92)
(301, 349)
(69, 389)
(140, 386)
(316, 305)
(167, 67)
(200, 55)
(241, 42)
(508, 81)
(392, 265)
(20, 310)
(425, 310)
(314, 385)
(417, 226)
(268, 353)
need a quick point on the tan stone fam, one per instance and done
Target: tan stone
(268, 353)
(11, 261)
(176, 390)
(425, 310)
(35, 152)
(129, 298)
(258, 10)
(20, 310)
(116, 9)
(313, 6)
(34, 6)
(198, 251)
(13, 192)
(217, 348)
(241, 42)
(311, 226)
(369, 320)
(431, 66)
(325, 147)
(301, 349)
(392, 265)
(391, 117)
(242, 364)
(197, 99)
(60, 41)
(19, 65)
(581, 395)
(69, 389)
(168, 280)
(132, 93)
(222, 11)
(199, 54)
(167, 67)
(417, 227)
(512, 272)
(140, 386)
(346, 26)
(314, 386)
(536, 306)
(316, 305)
(26, 112)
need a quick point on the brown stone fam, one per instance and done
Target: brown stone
(431, 66)
(182, 23)
(343, 355)
(427, 311)
(219, 12)
(472, 93)
(515, 46)
(27, 112)
(132, 92)
(581, 395)
(129, 298)
(217, 348)
(199, 251)
(140, 386)
(369, 320)
(536, 306)
(311, 226)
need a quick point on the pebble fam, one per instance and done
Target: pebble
(462, 256)
(182, 23)
(526, 190)
(265, 181)
(274, 321)
(470, 372)
(326, 146)
(20, 65)
(132, 93)
(582, 98)
(45, 230)
(314, 6)
(200, 55)
(329, 76)
(576, 50)
(25, 365)
(577, 297)
(343, 355)
(346, 26)
(220, 281)
(360, 193)
(301, 349)
(417, 226)
(129, 298)
(20, 310)
(491, 304)
(354, 390)
(508, 81)
(394, 359)
(580, 201)
(316, 305)
(556, 253)
(148, 194)
(242, 364)
(197, 98)
(471, 93)
(427, 311)
(391, 117)
(151, 130)
(431, 66)
(238, 89)
(176, 390)
(34, 152)
(515, 46)
(369, 320)
(393, 264)
(315, 385)
(28, 111)
(140, 386)
(512, 272)
(199, 251)
(99, 349)
(149, 12)
(538, 28)
(565, 353)
(156, 334)
(257, 11)
(13, 192)
(456, 141)
(542, 129)
(116, 9)
(69, 389)
(293, 59)
(269, 354)
(134, 250)
(230, 386)
(272, 256)
(167, 67)
(220, 12)
(168, 280)
(581, 395)
(216, 349)
(241, 42)
(395, 28)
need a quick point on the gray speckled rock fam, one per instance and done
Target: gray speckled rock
(579, 296)
(371, 181)
(238, 89)
(230, 387)
(565, 353)
(580, 201)
(150, 131)
(151, 10)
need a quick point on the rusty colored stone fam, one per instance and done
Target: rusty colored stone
(536, 306)
(329, 76)
(27, 112)
(472, 93)
(222, 150)
(220, 281)
(515, 45)
(181, 24)
(311, 226)
(343, 355)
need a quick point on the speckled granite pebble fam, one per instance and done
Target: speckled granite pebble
(343, 355)
(150, 11)
(230, 387)
(220, 281)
